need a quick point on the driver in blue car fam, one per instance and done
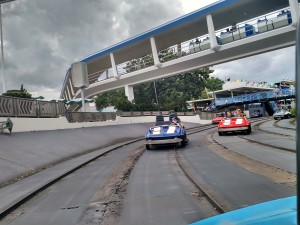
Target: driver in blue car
(177, 121)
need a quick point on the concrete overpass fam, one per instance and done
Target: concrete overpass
(228, 30)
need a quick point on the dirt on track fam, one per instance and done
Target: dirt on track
(106, 204)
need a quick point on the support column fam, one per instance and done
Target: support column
(71, 86)
(82, 99)
(212, 35)
(129, 92)
(68, 92)
(113, 65)
(179, 49)
(294, 12)
(157, 63)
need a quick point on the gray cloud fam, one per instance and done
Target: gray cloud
(42, 37)
(269, 67)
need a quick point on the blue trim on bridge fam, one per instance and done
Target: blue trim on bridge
(181, 20)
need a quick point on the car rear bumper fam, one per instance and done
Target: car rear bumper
(163, 142)
(232, 129)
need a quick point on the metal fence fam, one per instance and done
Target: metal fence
(22, 107)
(203, 115)
(153, 113)
(78, 117)
(207, 115)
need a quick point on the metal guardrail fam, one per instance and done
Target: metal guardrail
(77, 117)
(207, 115)
(22, 107)
(153, 113)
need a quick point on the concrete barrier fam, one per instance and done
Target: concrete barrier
(38, 124)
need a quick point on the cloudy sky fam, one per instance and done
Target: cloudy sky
(42, 38)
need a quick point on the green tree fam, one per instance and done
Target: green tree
(22, 93)
(214, 84)
(173, 92)
(116, 98)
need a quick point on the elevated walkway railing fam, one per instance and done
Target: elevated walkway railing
(224, 36)
(265, 96)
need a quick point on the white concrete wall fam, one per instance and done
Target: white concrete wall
(37, 124)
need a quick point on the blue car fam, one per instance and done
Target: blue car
(277, 212)
(169, 132)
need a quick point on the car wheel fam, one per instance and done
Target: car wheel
(248, 131)
(148, 147)
(182, 143)
(221, 133)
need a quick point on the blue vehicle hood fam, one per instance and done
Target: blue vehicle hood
(277, 212)
(164, 131)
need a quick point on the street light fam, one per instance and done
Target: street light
(1, 37)
(155, 92)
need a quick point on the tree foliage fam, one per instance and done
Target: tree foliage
(172, 92)
(22, 93)
(116, 98)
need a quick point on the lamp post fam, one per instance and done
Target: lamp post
(2, 52)
(155, 92)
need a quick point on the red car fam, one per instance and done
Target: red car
(234, 124)
(218, 118)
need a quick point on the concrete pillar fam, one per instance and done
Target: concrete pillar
(179, 49)
(113, 66)
(71, 86)
(65, 96)
(68, 92)
(129, 92)
(157, 63)
(212, 35)
(294, 12)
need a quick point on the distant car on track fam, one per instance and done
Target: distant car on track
(234, 124)
(219, 117)
(281, 114)
(166, 133)
(256, 113)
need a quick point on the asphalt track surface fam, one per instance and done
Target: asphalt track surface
(67, 200)
(25, 152)
(266, 154)
(237, 187)
(157, 192)
(269, 127)
(286, 124)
